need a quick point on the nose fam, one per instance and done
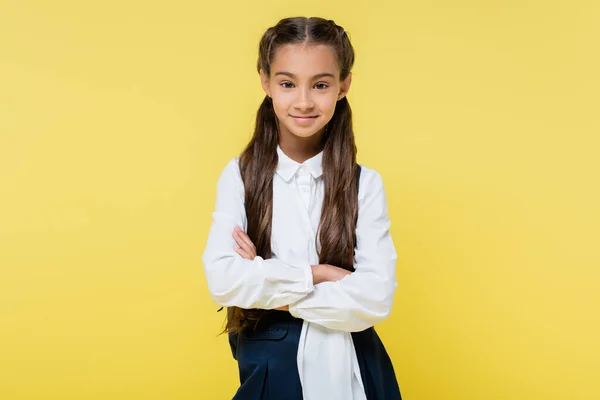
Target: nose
(304, 100)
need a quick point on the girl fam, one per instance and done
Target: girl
(301, 257)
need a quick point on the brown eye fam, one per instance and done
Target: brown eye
(286, 85)
(321, 85)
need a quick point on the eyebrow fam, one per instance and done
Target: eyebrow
(317, 76)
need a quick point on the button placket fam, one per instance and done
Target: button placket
(303, 180)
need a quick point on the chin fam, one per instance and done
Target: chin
(303, 133)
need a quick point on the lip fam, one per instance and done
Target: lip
(304, 119)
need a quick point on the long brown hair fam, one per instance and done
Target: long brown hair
(259, 159)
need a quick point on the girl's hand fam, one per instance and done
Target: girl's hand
(328, 273)
(245, 247)
(337, 273)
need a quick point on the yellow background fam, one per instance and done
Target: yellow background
(116, 118)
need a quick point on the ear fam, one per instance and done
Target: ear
(264, 81)
(345, 87)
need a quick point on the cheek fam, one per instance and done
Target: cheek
(280, 108)
(281, 103)
(327, 105)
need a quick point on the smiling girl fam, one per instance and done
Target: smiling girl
(302, 257)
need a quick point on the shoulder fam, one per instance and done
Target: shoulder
(230, 175)
(232, 167)
(370, 182)
(372, 200)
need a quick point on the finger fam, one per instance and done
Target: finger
(242, 253)
(244, 237)
(236, 236)
(250, 249)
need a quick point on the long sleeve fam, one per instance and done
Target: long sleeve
(363, 298)
(233, 280)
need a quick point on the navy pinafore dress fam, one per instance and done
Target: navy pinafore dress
(267, 361)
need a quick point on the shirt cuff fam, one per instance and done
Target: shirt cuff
(310, 287)
(309, 277)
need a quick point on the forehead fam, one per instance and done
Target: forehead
(304, 60)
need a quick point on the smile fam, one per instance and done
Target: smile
(304, 120)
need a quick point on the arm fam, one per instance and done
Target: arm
(234, 281)
(363, 298)
(320, 272)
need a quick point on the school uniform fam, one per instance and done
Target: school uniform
(325, 347)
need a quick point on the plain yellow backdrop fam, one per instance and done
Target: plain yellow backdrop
(117, 117)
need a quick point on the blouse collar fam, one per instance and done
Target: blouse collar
(287, 168)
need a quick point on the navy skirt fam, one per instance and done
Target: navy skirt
(267, 361)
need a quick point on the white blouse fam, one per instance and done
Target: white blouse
(327, 362)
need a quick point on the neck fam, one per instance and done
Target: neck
(301, 149)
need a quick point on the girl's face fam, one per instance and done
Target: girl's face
(305, 87)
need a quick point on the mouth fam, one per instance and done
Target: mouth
(304, 120)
